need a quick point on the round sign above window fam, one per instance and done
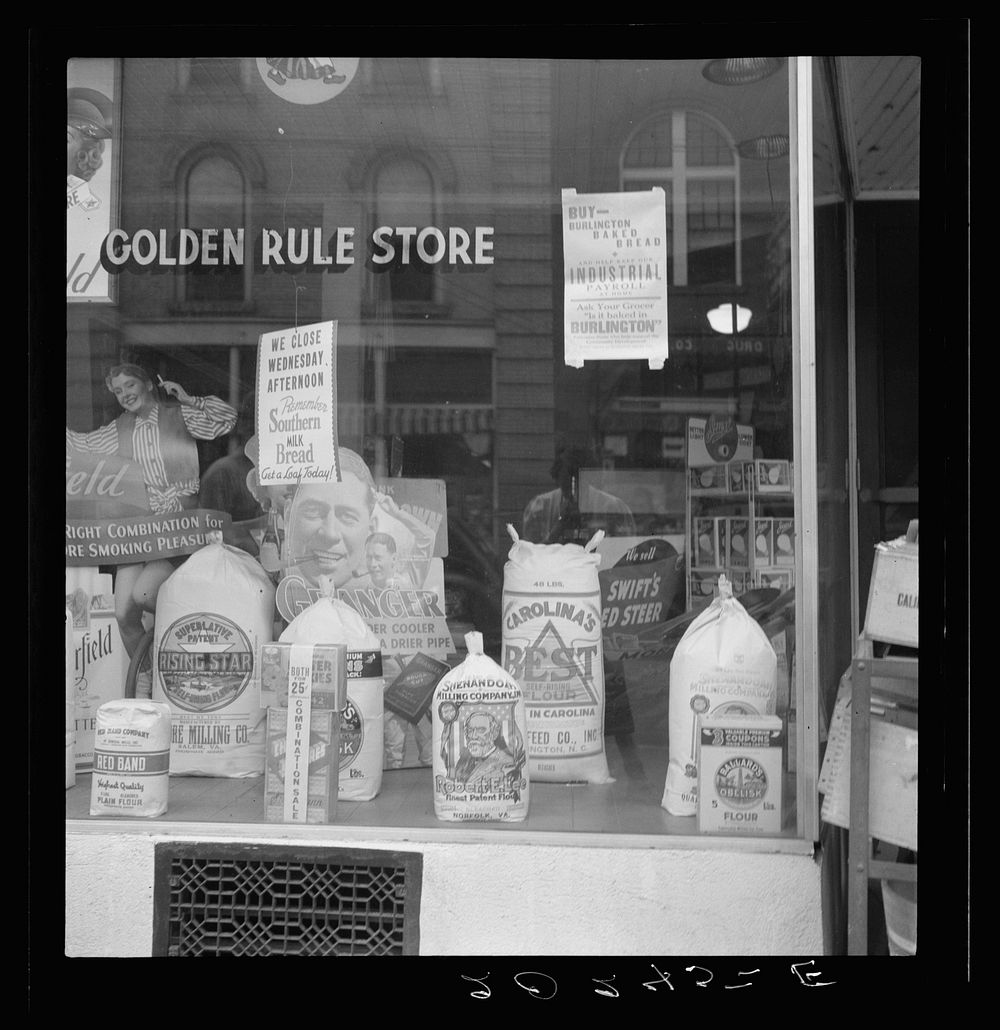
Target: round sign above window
(307, 80)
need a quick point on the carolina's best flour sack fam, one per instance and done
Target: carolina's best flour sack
(479, 758)
(329, 621)
(552, 647)
(212, 615)
(724, 665)
(131, 758)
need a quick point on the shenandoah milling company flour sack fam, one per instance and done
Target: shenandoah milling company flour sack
(131, 758)
(479, 758)
(212, 615)
(724, 665)
(552, 647)
(329, 621)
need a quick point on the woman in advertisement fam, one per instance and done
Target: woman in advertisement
(157, 430)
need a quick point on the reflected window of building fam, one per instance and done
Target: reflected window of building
(404, 198)
(215, 197)
(694, 160)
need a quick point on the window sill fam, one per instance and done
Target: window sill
(623, 814)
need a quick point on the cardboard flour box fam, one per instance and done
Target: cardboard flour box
(739, 774)
(893, 614)
(305, 687)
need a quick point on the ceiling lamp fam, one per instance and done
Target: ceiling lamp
(763, 148)
(729, 318)
(739, 71)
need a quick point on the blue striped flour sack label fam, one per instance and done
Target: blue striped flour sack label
(131, 758)
(552, 646)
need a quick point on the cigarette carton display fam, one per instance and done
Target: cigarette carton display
(784, 541)
(100, 663)
(739, 774)
(775, 579)
(705, 546)
(709, 479)
(774, 475)
(740, 474)
(312, 796)
(763, 535)
(737, 543)
(329, 675)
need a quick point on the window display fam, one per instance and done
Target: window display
(446, 353)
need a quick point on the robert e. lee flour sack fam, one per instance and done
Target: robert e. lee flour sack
(131, 758)
(329, 621)
(212, 615)
(479, 757)
(552, 647)
(724, 665)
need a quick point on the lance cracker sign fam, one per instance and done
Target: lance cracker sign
(297, 405)
(92, 158)
(615, 285)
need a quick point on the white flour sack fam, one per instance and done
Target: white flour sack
(329, 621)
(131, 758)
(212, 615)
(723, 665)
(552, 647)
(479, 756)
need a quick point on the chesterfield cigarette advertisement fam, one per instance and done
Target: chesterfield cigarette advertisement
(615, 269)
(297, 406)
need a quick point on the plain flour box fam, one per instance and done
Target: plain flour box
(553, 647)
(329, 621)
(724, 665)
(479, 761)
(740, 774)
(131, 759)
(212, 615)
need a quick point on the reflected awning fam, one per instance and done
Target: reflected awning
(415, 419)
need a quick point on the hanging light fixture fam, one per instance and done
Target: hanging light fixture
(729, 318)
(764, 148)
(740, 71)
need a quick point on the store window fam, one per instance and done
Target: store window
(214, 196)
(456, 413)
(693, 159)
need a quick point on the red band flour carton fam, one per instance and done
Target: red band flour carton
(739, 774)
(131, 759)
(479, 765)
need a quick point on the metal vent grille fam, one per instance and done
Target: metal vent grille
(231, 899)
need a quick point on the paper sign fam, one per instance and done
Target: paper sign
(615, 276)
(297, 406)
(141, 538)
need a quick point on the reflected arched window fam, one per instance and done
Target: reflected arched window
(404, 197)
(693, 158)
(215, 197)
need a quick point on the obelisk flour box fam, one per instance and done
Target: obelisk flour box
(212, 615)
(131, 758)
(478, 720)
(739, 774)
(552, 646)
(329, 621)
(723, 665)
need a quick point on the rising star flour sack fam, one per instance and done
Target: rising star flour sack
(329, 621)
(724, 665)
(552, 647)
(212, 615)
(479, 757)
